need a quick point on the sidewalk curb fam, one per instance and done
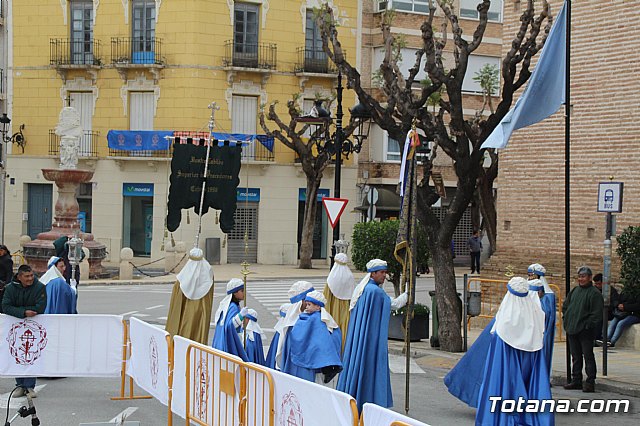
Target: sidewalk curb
(604, 384)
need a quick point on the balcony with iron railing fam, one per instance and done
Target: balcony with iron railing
(253, 152)
(259, 56)
(70, 53)
(88, 143)
(136, 51)
(314, 61)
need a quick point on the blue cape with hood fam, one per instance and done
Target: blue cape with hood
(61, 299)
(226, 335)
(309, 346)
(366, 352)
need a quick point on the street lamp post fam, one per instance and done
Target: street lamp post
(5, 121)
(337, 144)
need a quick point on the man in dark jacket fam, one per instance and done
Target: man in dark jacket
(581, 315)
(24, 297)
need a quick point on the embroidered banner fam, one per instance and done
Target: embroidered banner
(149, 361)
(187, 171)
(61, 346)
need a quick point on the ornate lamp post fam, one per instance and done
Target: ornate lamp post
(337, 144)
(75, 256)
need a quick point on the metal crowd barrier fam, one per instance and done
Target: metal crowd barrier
(492, 293)
(245, 406)
(126, 352)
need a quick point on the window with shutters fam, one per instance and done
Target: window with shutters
(81, 32)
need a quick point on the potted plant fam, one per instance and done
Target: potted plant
(419, 328)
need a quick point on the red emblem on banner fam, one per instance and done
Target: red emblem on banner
(290, 411)
(154, 364)
(202, 396)
(27, 339)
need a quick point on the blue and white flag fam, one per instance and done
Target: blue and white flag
(545, 91)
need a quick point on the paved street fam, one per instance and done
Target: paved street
(70, 401)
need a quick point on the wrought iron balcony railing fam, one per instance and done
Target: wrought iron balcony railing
(314, 61)
(136, 51)
(64, 52)
(88, 143)
(250, 55)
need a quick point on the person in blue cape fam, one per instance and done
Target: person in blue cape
(297, 293)
(273, 347)
(516, 367)
(366, 352)
(313, 344)
(61, 297)
(464, 380)
(229, 319)
(255, 352)
(548, 301)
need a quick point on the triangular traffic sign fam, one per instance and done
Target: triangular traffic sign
(334, 208)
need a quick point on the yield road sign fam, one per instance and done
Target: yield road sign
(334, 208)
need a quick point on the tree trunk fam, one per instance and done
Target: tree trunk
(489, 213)
(448, 302)
(310, 210)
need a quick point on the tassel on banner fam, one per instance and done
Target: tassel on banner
(188, 219)
(217, 221)
(173, 242)
(224, 242)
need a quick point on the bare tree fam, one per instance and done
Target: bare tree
(313, 161)
(460, 137)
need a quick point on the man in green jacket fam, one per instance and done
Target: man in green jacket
(581, 316)
(24, 297)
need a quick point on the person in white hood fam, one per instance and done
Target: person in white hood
(192, 300)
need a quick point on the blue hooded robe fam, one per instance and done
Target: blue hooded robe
(366, 353)
(548, 302)
(511, 373)
(255, 352)
(61, 299)
(226, 334)
(464, 380)
(310, 346)
(270, 361)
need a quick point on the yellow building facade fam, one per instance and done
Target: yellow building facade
(157, 65)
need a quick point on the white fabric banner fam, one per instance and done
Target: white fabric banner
(209, 403)
(300, 402)
(375, 415)
(61, 346)
(149, 361)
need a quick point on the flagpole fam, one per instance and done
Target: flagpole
(567, 172)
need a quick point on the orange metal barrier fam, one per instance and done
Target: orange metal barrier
(492, 293)
(126, 352)
(211, 378)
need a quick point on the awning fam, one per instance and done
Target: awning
(388, 200)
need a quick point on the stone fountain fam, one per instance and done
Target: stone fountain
(67, 178)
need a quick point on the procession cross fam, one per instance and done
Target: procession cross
(27, 339)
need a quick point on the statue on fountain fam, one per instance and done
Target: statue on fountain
(70, 131)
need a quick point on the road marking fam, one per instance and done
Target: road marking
(129, 313)
(162, 318)
(397, 365)
(155, 307)
(140, 315)
(119, 419)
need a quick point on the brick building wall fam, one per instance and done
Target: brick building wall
(605, 127)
